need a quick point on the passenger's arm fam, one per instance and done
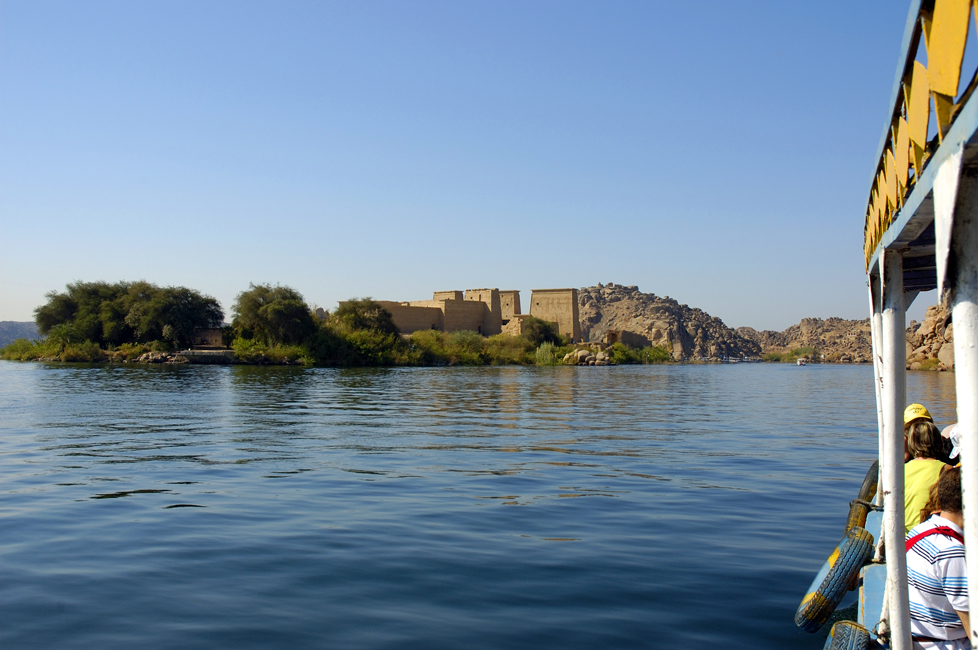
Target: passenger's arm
(964, 621)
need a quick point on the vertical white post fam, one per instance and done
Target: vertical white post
(875, 327)
(964, 315)
(894, 401)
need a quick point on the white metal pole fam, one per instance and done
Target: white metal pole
(964, 315)
(875, 327)
(894, 401)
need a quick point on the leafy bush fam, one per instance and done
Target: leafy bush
(258, 352)
(656, 354)
(546, 355)
(128, 352)
(249, 350)
(538, 331)
(427, 348)
(327, 348)
(930, 364)
(375, 348)
(82, 352)
(465, 348)
(622, 354)
(504, 349)
(287, 354)
(774, 357)
(23, 350)
(433, 348)
(61, 336)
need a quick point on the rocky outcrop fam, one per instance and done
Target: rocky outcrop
(588, 357)
(161, 357)
(930, 345)
(840, 340)
(644, 319)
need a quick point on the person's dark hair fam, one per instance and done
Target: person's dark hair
(947, 446)
(949, 490)
(924, 440)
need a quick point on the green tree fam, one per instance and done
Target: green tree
(128, 312)
(60, 308)
(364, 314)
(275, 315)
(538, 332)
(61, 335)
(81, 307)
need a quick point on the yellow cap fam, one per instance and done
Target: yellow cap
(915, 412)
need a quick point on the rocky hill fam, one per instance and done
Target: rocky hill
(846, 341)
(930, 345)
(10, 331)
(641, 319)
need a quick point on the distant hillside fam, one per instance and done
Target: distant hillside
(838, 339)
(643, 319)
(10, 331)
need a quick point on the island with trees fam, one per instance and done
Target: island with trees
(128, 322)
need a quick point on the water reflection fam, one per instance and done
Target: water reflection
(583, 506)
(935, 390)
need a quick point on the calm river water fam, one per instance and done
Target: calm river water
(552, 507)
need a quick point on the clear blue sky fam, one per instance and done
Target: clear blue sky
(716, 152)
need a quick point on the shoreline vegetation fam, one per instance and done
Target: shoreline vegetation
(132, 322)
(138, 322)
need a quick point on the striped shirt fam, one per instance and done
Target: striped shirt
(937, 582)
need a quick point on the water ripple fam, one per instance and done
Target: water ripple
(211, 507)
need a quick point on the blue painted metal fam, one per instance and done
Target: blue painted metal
(874, 523)
(871, 595)
(873, 579)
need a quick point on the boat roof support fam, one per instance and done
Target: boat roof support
(894, 393)
(962, 285)
(876, 325)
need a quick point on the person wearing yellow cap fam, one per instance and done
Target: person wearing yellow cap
(911, 414)
(924, 444)
(915, 412)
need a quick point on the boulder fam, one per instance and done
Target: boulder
(946, 355)
(926, 328)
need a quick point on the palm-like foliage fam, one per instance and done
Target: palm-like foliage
(61, 335)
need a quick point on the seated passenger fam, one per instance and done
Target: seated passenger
(926, 446)
(911, 415)
(952, 444)
(936, 573)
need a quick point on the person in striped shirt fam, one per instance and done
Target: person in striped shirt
(936, 575)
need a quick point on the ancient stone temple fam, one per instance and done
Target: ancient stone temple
(486, 311)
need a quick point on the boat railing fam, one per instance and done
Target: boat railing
(920, 234)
